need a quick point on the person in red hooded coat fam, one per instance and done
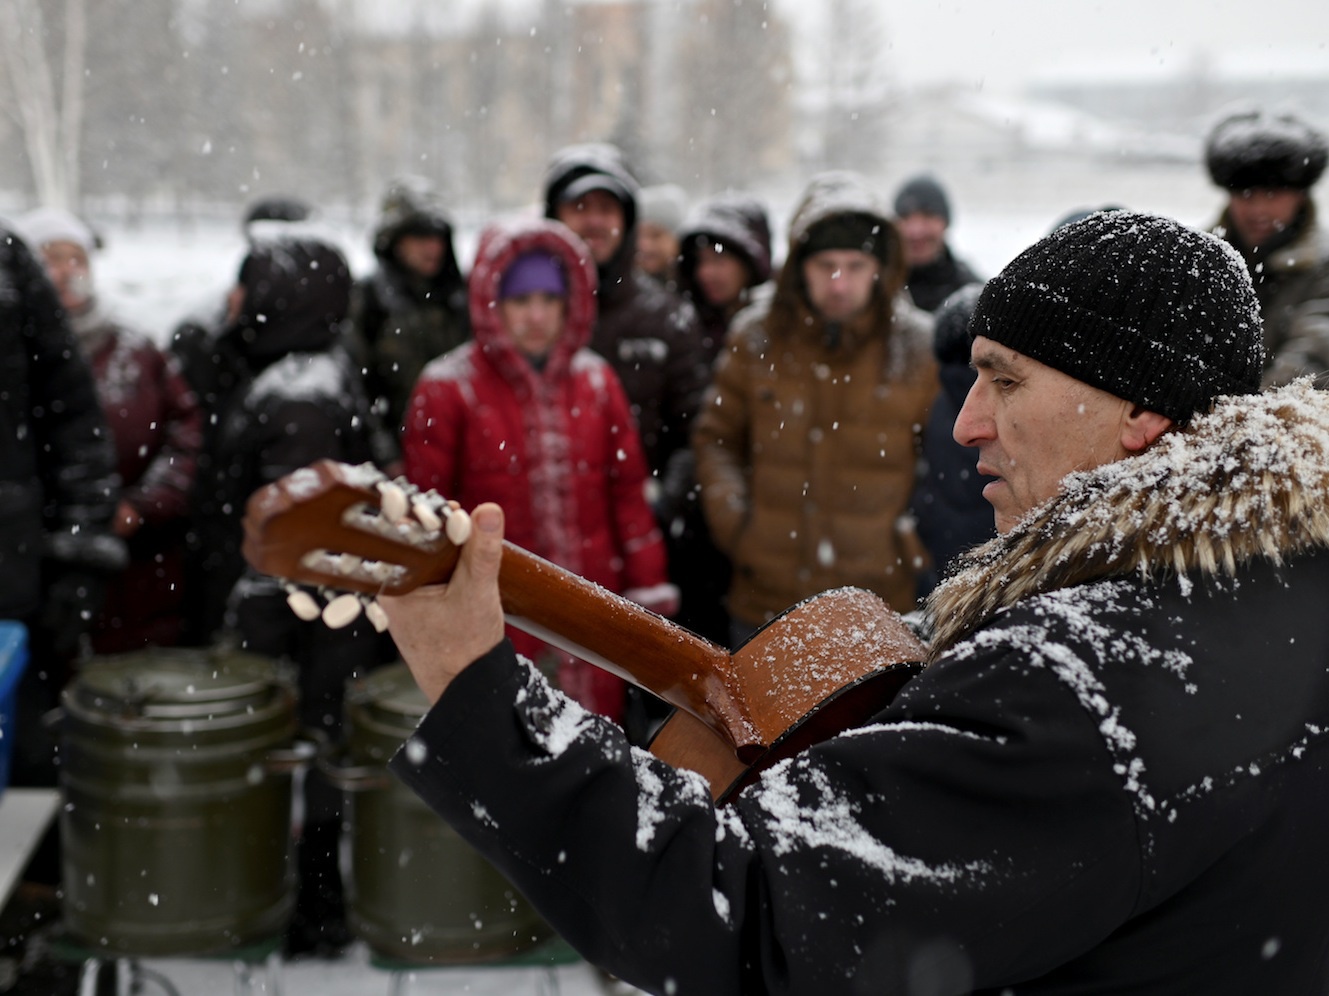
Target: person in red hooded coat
(528, 416)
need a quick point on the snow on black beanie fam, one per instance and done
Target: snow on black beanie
(1252, 150)
(1135, 304)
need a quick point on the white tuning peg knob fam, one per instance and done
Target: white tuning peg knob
(459, 527)
(427, 516)
(303, 605)
(375, 614)
(341, 611)
(393, 501)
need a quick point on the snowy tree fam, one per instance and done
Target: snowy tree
(45, 66)
(133, 141)
(736, 75)
(852, 98)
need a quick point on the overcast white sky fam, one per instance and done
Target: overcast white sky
(1001, 43)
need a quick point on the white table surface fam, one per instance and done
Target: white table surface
(24, 815)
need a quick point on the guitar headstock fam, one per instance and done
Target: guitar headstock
(351, 528)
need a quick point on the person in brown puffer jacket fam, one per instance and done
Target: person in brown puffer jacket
(807, 442)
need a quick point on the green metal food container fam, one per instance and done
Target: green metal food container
(416, 892)
(176, 771)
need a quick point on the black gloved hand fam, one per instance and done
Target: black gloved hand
(73, 599)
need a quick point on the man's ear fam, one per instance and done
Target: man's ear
(1141, 427)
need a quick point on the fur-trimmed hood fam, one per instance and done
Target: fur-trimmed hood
(1248, 480)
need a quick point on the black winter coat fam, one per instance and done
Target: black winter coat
(649, 335)
(948, 502)
(300, 399)
(931, 284)
(58, 485)
(1113, 777)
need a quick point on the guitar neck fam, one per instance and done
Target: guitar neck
(304, 525)
(614, 633)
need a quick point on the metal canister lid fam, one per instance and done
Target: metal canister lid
(388, 697)
(173, 684)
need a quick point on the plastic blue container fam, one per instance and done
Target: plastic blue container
(13, 659)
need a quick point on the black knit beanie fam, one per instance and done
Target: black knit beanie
(922, 194)
(1137, 305)
(1251, 150)
(860, 232)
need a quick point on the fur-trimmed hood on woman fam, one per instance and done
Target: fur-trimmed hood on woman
(1248, 480)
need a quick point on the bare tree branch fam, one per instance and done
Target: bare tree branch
(22, 35)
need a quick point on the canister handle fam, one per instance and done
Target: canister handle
(309, 746)
(354, 777)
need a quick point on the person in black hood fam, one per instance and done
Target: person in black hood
(649, 335)
(212, 365)
(301, 400)
(724, 259)
(412, 308)
(724, 256)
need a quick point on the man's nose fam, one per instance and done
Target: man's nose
(972, 424)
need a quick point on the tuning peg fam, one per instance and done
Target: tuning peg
(348, 564)
(427, 516)
(393, 501)
(302, 604)
(341, 611)
(459, 527)
(375, 614)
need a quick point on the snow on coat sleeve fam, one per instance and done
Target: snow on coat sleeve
(990, 837)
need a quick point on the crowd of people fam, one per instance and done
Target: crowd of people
(655, 404)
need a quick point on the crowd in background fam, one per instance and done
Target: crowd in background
(655, 404)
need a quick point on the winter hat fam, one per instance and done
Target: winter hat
(410, 206)
(922, 194)
(578, 169)
(1137, 305)
(737, 222)
(664, 205)
(950, 329)
(1251, 149)
(46, 225)
(532, 273)
(860, 232)
(277, 207)
(297, 293)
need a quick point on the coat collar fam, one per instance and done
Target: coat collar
(1248, 480)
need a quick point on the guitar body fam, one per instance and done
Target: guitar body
(825, 665)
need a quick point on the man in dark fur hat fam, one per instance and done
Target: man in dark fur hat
(1112, 775)
(1268, 164)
